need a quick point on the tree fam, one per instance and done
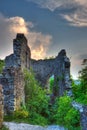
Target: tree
(80, 90)
(36, 99)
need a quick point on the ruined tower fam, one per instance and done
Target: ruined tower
(12, 77)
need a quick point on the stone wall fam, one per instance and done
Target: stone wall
(21, 53)
(1, 105)
(12, 77)
(13, 89)
(59, 67)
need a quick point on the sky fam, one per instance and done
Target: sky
(49, 25)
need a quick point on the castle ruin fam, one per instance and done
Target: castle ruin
(12, 78)
(12, 84)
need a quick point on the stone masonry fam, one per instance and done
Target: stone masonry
(1, 105)
(59, 67)
(12, 76)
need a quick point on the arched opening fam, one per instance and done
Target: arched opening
(50, 84)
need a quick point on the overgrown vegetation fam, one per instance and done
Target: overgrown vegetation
(1, 65)
(36, 100)
(65, 114)
(80, 90)
(38, 109)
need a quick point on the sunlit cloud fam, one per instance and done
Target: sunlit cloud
(38, 42)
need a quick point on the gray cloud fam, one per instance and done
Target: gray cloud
(77, 18)
(54, 4)
(82, 56)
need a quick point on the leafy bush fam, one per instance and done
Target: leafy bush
(80, 90)
(21, 114)
(65, 114)
(80, 93)
(38, 119)
(36, 99)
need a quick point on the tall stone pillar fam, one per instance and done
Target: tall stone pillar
(1, 106)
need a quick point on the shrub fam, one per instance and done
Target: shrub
(80, 92)
(65, 114)
(21, 114)
(36, 99)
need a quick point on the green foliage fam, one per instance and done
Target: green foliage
(65, 114)
(51, 83)
(21, 114)
(4, 128)
(38, 119)
(80, 90)
(36, 99)
(38, 109)
(80, 93)
(50, 58)
(1, 65)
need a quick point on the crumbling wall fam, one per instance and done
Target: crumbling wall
(59, 67)
(21, 53)
(13, 89)
(12, 77)
(1, 105)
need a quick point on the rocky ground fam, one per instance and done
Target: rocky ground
(23, 126)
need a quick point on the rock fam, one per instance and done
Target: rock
(54, 127)
(23, 126)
